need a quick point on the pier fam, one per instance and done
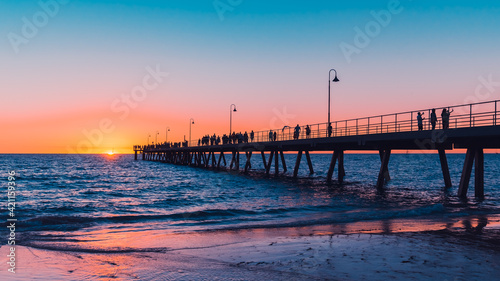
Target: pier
(472, 127)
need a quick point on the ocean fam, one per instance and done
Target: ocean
(87, 202)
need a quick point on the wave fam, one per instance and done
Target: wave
(76, 222)
(76, 243)
(350, 217)
(68, 248)
(238, 218)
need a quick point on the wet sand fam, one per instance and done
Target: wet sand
(468, 252)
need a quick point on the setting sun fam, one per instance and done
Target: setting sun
(110, 153)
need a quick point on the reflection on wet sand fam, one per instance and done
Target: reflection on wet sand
(126, 239)
(295, 252)
(476, 225)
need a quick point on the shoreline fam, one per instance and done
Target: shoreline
(132, 238)
(464, 250)
(403, 256)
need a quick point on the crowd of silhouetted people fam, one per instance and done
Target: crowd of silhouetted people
(165, 145)
(445, 119)
(239, 138)
(234, 138)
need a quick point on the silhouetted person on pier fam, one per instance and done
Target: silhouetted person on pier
(296, 132)
(329, 129)
(420, 120)
(252, 135)
(433, 119)
(271, 136)
(245, 137)
(308, 131)
(217, 142)
(274, 136)
(445, 115)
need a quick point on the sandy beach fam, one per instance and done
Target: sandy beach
(313, 253)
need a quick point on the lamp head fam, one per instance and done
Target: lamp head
(234, 109)
(335, 79)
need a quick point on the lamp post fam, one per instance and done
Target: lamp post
(156, 137)
(329, 84)
(232, 108)
(166, 134)
(191, 121)
(149, 135)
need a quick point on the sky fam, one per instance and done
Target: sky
(94, 76)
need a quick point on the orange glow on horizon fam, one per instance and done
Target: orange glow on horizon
(79, 132)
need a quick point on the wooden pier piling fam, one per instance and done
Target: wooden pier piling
(297, 164)
(384, 167)
(444, 167)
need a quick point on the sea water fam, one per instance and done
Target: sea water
(76, 200)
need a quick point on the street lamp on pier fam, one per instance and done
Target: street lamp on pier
(329, 84)
(166, 134)
(232, 108)
(191, 121)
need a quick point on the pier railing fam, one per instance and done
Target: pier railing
(462, 116)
